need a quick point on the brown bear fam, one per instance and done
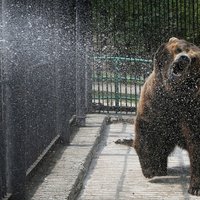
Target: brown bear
(168, 112)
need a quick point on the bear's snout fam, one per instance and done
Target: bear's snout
(184, 59)
(180, 63)
(179, 66)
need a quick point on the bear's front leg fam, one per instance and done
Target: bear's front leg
(194, 154)
(151, 146)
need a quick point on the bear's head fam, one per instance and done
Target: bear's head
(177, 65)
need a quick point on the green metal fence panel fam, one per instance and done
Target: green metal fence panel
(126, 33)
(117, 82)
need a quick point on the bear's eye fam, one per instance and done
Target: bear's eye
(178, 50)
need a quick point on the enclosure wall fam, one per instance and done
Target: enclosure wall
(38, 84)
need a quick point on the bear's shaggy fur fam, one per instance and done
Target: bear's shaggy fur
(169, 111)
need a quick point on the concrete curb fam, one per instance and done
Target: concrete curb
(76, 188)
(61, 175)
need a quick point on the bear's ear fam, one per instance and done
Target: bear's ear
(160, 57)
(173, 39)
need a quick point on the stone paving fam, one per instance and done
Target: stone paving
(115, 173)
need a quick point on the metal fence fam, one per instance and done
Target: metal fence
(128, 32)
(43, 54)
(117, 82)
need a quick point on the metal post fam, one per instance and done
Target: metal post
(116, 75)
(81, 31)
(61, 78)
(89, 55)
(65, 68)
(14, 95)
(2, 133)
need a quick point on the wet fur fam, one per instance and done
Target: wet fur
(169, 111)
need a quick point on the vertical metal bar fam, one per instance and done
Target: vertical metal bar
(15, 93)
(185, 17)
(106, 84)
(143, 24)
(102, 82)
(155, 15)
(164, 12)
(126, 85)
(64, 67)
(160, 20)
(108, 67)
(58, 76)
(189, 19)
(120, 84)
(138, 26)
(135, 86)
(177, 16)
(123, 68)
(125, 32)
(103, 43)
(111, 82)
(95, 45)
(2, 124)
(93, 32)
(181, 17)
(128, 73)
(133, 18)
(197, 21)
(113, 62)
(168, 13)
(92, 75)
(89, 52)
(131, 87)
(93, 80)
(116, 77)
(81, 24)
(193, 20)
(5, 170)
(151, 25)
(129, 28)
(98, 83)
(114, 21)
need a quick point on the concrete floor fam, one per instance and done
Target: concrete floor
(115, 172)
(105, 170)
